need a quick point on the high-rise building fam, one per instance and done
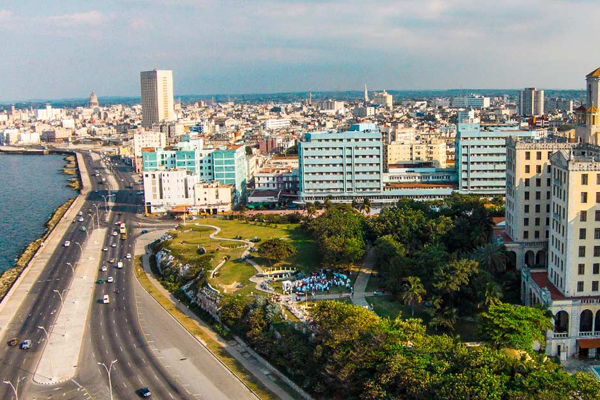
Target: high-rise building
(383, 99)
(471, 101)
(531, 102)
(157, 97)
(588, 116)
(481, 157)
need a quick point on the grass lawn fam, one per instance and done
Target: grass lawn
(375, 282)
(231, 274)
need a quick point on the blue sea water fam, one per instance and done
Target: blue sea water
(31, 188)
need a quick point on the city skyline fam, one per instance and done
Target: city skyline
(294, 46)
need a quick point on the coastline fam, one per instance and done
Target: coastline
(10, 276)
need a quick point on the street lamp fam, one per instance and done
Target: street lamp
(80, 248)
(15, 389)
(97, 216)
(72, 268)
(62, 299)
(108, 369)
(45, 331)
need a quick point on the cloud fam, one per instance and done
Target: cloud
(88, 18)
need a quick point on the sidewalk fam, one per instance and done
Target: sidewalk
(30, 275)
(61, 353)
(259, 371)
(363, 278)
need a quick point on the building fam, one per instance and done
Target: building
(588, 116)
(332, 106)
(284, 179)
(558, 104)
(531, 102)
(212, 198)
(480, 158)
(273, 124)
(362, 112)
(340, 164)
(229, 163)
(146, 140)
(433, 150)
(93, 101)
(384, 99)
(157, 97)
(471, 101)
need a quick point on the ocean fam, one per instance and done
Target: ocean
(31, 188)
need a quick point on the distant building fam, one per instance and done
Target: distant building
(157, 97)
(383, 99)
(471, 101)
(557, 104)
(531, 102)
(93, 101)
(273, 124)
(588, 116)
(362, 112)
(332, 106)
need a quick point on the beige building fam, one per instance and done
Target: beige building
(212, 198)
(157, 97)
(531, 102)
(401, 152)
(383, 99)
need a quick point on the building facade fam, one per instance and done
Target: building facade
(470, 101)
(383, 99)
(229, 168)
(157, 97)
(531, 102)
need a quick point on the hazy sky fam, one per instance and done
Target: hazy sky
(67, 48)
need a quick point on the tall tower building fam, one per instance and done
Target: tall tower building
(531, 102)
(366, 94)
(588, 116)
(157, 97)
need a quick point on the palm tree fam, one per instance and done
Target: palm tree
(311, 210)
(355, 204)
(492, 257)
(367, 205)
(327, 203)
(414, 293)
(318, 204)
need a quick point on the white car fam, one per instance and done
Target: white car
(120, 264)
(115, 233)
(106, 299)
(110, 279)
(80, 219)
(67, 243)
(128, 256)
(104, 269)
(80, 213)
(113, 245)
(105, 249)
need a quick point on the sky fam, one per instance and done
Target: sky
(69, 48)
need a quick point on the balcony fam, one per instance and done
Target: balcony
(561, 335)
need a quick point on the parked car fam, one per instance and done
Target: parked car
(80, 219)
(99, 281)
(144, 231)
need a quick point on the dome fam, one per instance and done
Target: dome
(93, 101)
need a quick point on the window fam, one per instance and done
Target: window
(582, 233)
(538, 195)
(526, 221)
(596, 269)
(528, 155)
(597, 197)
(526, 235)
(584, 179)
(538, 182)
(538, 155)
(594, 286)
(527, 169)
(538, 169)
(526, 181)
(547, 208)
(597, 179)
(536, 234)
(581, 269)
(596, 251)
(581, 251)
(526, 195)
(537, 208)
(526, 208)
(597, 215)
(597, 233)
(584, 197)
(580, 286)
(537, 222)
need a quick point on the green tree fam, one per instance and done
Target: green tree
(449, 278)
(366, 205)
(276, 249)
(232, 309)
(241, 209)
(513, 326)
(355, 204)
(414, 293)
(492, 257)
(311, 209)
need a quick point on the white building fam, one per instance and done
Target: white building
(383, 99)
(273, 124)
(531, 102)
(148, 139)
(157, 97)
(471, 101)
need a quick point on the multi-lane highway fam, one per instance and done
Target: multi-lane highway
(114, 331)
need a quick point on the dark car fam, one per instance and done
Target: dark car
(144, 392)
(13, 342)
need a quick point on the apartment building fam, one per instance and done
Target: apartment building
(383, 99)
(340, 164)
(274, 124)
(157, 97)
(531, 102)
(470, 101)
(433, 150)
(480, 158)
(229, 168)
(146, 140)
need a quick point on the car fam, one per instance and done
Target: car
(26, 344)
(83, 229)
(113, 245)
(112, 261)
(80, 213)
(115, 233)
(105, 249)
(120, 264)
(110, 279)
(13, 342)
(118, 223)
(144, 392)
(104, 269)
(119, 213)
(67, 243)
(80, 219)
(128, 256)
(100, 281)
(144, 231)
(105, 299)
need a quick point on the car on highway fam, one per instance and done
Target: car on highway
(144, 231)
(110, 279)
(26, 344)
(113, 245)
(83, 229)
(100, 281)
(144, 392)
(80, 219)
(106, 299)
(115, 233)
(128, 256)
(80, 213)
(104, 269)
(105, 249)
(13, 342)
(112, 261)
(67, 243)
(120, 264)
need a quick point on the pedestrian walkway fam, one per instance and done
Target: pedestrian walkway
(258, 370)
(64, 339)
(360, 285)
